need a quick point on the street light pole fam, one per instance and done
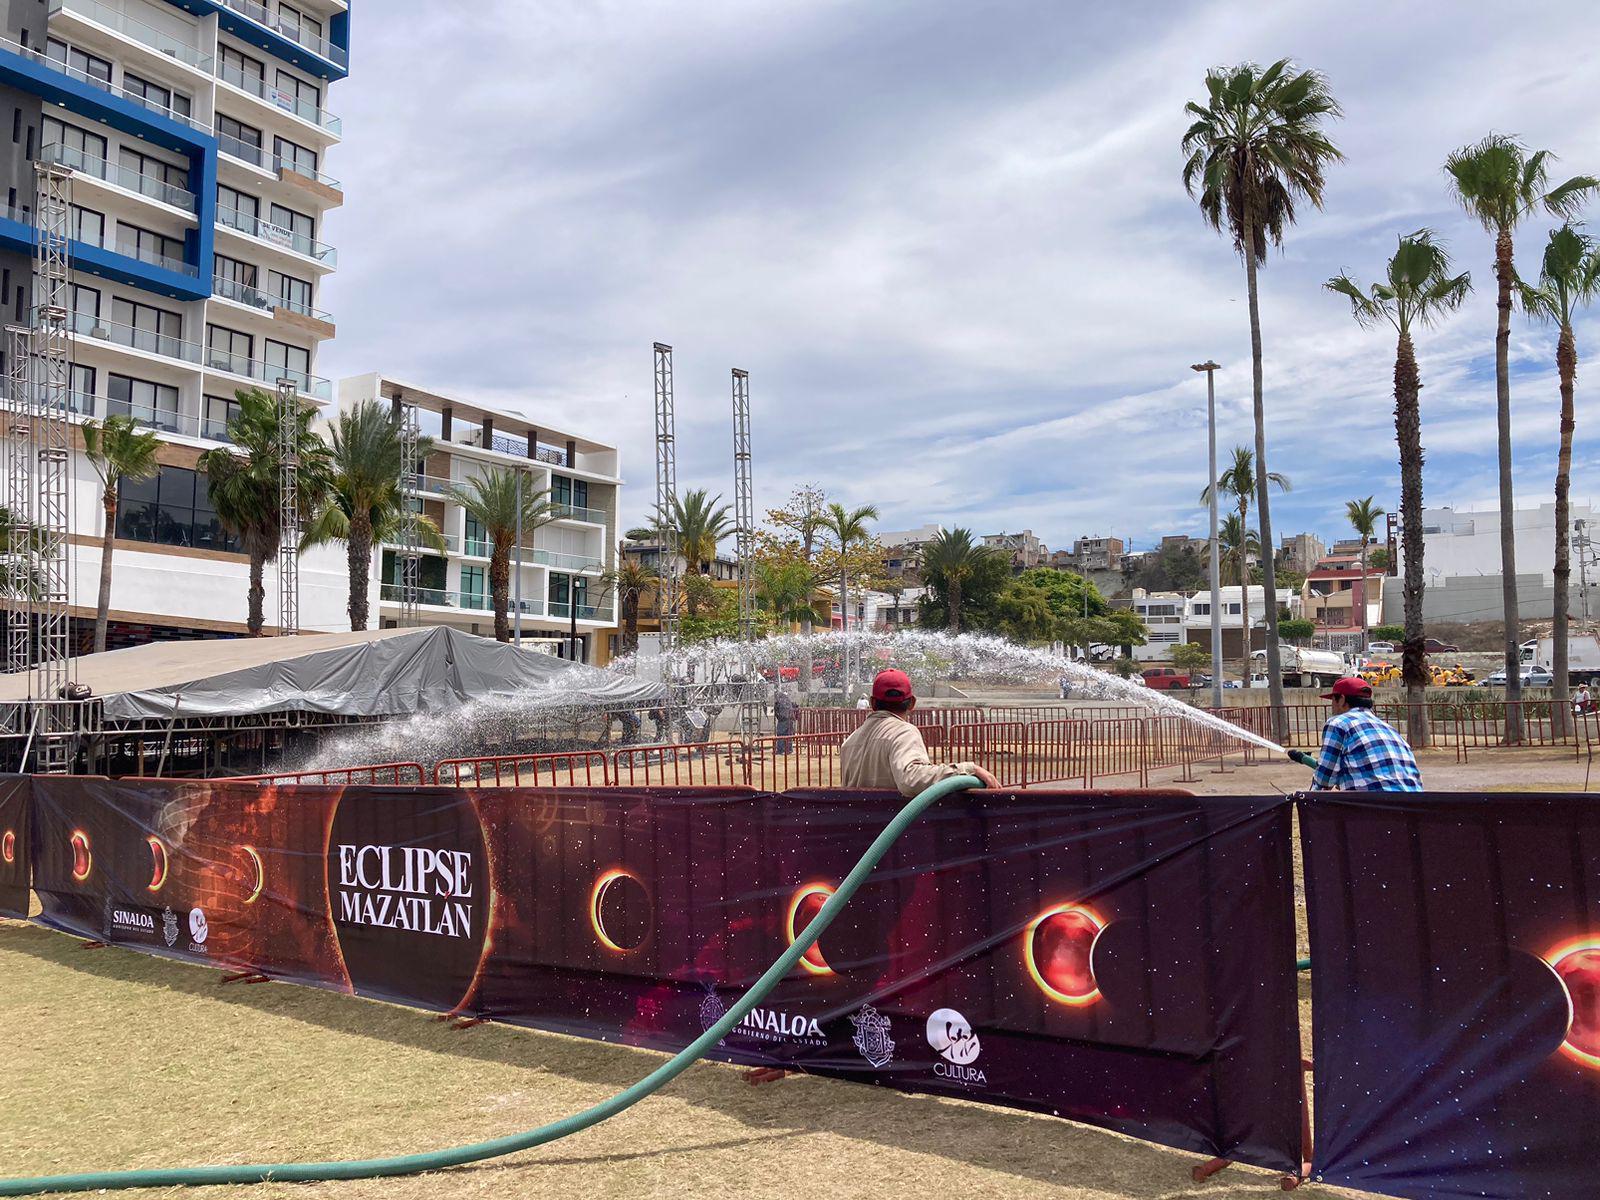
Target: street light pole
(516, 619)
(1211, 368)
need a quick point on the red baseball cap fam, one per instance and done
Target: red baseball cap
(892, 685)
(1351, 688)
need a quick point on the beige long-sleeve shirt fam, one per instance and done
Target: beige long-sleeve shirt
(888, 752)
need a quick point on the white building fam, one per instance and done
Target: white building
(1173, 618)
(902, 548)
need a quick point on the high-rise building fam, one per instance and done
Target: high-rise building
(197, 134)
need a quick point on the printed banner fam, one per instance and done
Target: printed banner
(14, 806)
(1125, 961)
(1456, 992)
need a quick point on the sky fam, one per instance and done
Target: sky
(949, 242)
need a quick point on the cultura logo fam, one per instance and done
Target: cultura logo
(872, 1038)
(957, 1045)
(198, 929)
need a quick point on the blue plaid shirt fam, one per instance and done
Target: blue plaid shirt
(1362, 753)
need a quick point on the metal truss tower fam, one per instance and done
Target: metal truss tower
(288, 508)
(18, 434)
(745, 519)
(410, 556)
(666, 498)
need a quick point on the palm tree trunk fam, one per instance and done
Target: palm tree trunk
(630, 623)
(953, 594)
(1246, 643)
(1268, 573)
(1408, 435)
(500, 586)
(1505, 272)
(102, 612)
(1567, 368)
(358, 558)
(258, 593)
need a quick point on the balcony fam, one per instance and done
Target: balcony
(290, 31)
(483, 548)
(90, 326)
(184, 424)
(260, 156)
(574, 512)
(561, 610)
(239, 293)
(135, 30)
(266, 373)
(71, 72)
(280, 99)
(467, 601)
(277, 235)
(118, 176)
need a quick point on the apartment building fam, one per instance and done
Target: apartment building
(902, 549)
(1301, 551)
(561, 605)
(1023, 549)
(1091, 554)
(1172, 618)
(197, 134)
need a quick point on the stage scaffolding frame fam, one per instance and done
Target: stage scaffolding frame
(288, 508)
(666, 499)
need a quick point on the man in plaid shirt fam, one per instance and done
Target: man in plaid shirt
(1360, 752)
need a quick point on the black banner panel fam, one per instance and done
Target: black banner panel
(15, 791)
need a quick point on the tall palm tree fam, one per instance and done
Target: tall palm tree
(1256, 147)
(1418, 290)
(1238, 481)
(629, 579)
(1363, 517)
(493, 500)
(1569, 277)
(118, 449)
(367, 502)
(849, 528)
(1237, 543)
(701, 524)
(1499, 183)
(784, 590)
(243, 483)
(948, 562)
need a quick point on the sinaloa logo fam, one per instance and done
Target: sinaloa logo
(762, 1024)
(953, 1039)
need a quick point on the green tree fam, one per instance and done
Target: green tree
(1500, 184)
(1363, 517)
(1175, 567)
(1378, 560)
(366, 503)
(1417, 291)
(1389, 633)
(1569, 278)
(793, 535)
(493, 500)
(1256, 148)
(1240, 481)
(118, 449)
(628, 580)
(1297, 629)
(783, 591)
(1237, 544)
(1191, 656)
(716, 619)
(849, 529)
(243, 482)
(957, 569)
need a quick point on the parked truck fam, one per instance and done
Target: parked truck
(1583, 656)
(1307, 668)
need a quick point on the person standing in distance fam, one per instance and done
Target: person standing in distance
(1360, 751)
(888, 750)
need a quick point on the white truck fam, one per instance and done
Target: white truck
(1583, 656)
(1307, 668)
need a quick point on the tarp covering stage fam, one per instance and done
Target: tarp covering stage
(377, 673)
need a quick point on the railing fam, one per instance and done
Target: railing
(186, 424)
(291, 30)
(279, 98)
(138, 31)
(484, 547)
(55, 64)
(267, 373)
(577, 768)
(395, 774)
(506, 444)
(276, 235)
(86, 325)
(561, 610)
(121, 176)
(577, 512)
(260, 156)
(467, 601)
(240, 293)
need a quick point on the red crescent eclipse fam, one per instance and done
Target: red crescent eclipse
(260, 874)
(8, 846)
(1576, 964)
(1058, 948)
(158, 863)
(82, 859)
(597, 895)
(803, 907)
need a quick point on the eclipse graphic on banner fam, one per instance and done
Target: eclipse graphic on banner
(408, 891)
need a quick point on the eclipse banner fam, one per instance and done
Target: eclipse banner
(1125, 961)
(14, 809)
(1456, 992)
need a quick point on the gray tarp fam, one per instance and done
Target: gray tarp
(384, 673)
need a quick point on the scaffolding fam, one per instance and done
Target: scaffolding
(666, 499)
(745, 533)
(18, 434)
(409, 535)
(288, 508)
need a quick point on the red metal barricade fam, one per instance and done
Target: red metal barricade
(392, 774)
(688, 764)
(1058, 752)
(999, 747)
(574, 768)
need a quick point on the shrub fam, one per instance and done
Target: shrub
(1389, 633)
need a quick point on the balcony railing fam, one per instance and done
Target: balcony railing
(276, 235)
(186, 424)
(483, 548)
(55, 64)
(575, 512)
(502, 443)
(586, 612)
(260, 156)
(279, 98)
(148, 340)
(266, 373)
(121, 176)
(470, 601)
(240, 293)
(261, 15)
(138, 31)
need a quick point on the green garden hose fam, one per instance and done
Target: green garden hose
(434, 1160)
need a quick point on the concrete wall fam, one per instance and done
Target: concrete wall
(1461, 598)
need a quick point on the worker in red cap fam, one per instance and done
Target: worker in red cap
(888, 750)
(1361, 752)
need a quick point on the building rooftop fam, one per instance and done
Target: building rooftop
(471, 412)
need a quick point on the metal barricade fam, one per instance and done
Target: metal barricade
(572, 768)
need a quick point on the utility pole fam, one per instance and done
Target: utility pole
(1211, 368)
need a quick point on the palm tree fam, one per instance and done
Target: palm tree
(1255, 147)
(1418, 291)
(1237, 543)
(629, 579)
(848, 527)
(367, 503)
(1363, 517)
(1239, 482)
(1569, 277)
(948, 561)
(118, 449)
(243, 483)
(1499, 183)
(697, 523)
(494, 500)
(784, 590)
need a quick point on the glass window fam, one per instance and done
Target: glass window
(560, 489)
(147, 245)
(288, 362)
(304, 95)
(229, 350)
(88, 226)
(155, 329)
(290, 292)
(293, 157)
(219, 412)
(156, 96)
(77, 62)
(298, 25)
(239, 69)
(155, 169)
(153, 404)
(86, 145)
(83, 390)
(473, 592)
(477, 536)
(246, 205)
(238, 139)
(297, 223)
(85, 304)
(171, 508)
